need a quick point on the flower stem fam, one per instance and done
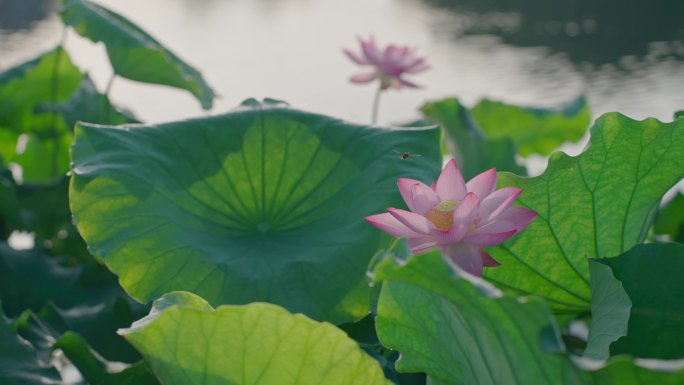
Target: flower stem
(376, 105)
(106, 96)
(54, 171)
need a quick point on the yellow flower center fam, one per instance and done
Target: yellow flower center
(442, 215)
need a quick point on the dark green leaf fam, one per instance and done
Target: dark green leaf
(97, 370)
(610, 308)
(465, 141)
(133, 53)
(262, 204)
(9, 207)
(598, 204)
(28, 279)
(535, 130)
(186, 341)
(650, 276)
(19, 364)
(460, 330)
(98, 325)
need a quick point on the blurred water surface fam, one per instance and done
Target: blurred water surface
(625, 55)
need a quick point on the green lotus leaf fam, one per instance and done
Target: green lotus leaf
(19, 364)
(51, 77)
(670, 219)
(262, 204)
(650, 277)
(186, 341)
(134, 54)
(597, 204)
(465, 141)
(534, 130)
(87, 104)
(28, 279)
(610, 308)
(461, 330)
(96, 370)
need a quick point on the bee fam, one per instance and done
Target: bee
(404, 155)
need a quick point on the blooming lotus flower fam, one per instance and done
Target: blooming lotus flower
(457, 217)
(388, 65)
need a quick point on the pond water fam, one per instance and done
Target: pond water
(625, 55)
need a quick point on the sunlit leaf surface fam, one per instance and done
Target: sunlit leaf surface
(262, 204)
(598, 204)
(186, 341)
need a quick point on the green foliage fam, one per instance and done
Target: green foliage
(87, 104)
(50, 77)
(650, 276)
(473, 152)
(186, 341)
(262, 204)
(133, 53)
(19, 364)
(30, 279)
(9, 208)
(461, 330)
(610, 308)
(670, 219)
(534, 130)
(96, 370)
(598, 204)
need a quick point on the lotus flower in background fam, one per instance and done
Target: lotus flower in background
(457, 217)
(388, 65)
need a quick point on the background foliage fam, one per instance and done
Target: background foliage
(266, 204)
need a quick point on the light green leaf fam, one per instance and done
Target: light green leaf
(535, 130)
(262, 204)
(51, 77)
(8, 144)
(610, 307)
(598, 204)
(461, 330)
(88, 105)
(650, 277)
(44, 159)
(19, 364)
(134, 54)
(465, 141)
(186, 341)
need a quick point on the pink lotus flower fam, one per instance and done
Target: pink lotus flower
(457, 217)
(388, 65)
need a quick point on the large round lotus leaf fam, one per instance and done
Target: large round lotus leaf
(262, 204)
